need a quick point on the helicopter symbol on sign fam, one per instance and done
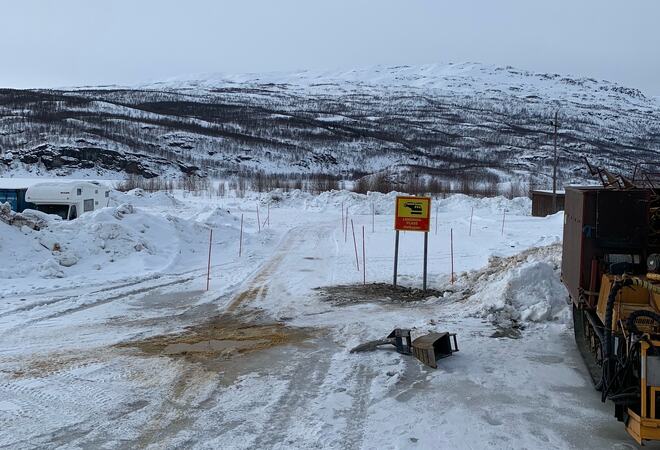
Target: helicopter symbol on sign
(415, 208)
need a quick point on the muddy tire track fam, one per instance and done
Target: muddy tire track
(257, 287)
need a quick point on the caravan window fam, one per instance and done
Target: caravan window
(88, 205)
(79, 191)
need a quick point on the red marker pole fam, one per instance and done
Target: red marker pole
(240, 240)
(503, 217)
(451, 246)
(342, 216)
(357, 261)
(364, 260)
(373, 218)
(208, 268)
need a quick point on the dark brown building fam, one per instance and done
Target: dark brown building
(542, 203)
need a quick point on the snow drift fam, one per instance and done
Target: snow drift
(521, 288)
(384, 203)
(114, 242)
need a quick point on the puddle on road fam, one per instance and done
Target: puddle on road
(223, 337)
(374, 293)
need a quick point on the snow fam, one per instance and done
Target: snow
(461, 78)
(83, 301)
(24, 183)
(522, 288)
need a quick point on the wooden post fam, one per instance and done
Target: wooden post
(426, 254)
(436, 222)
(258, 220)
(451, 246)
(240, 239)
(396, 255)
(471, 214)
(208, 268)
(357, 262)
(364, 260)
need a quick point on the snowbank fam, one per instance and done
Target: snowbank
(111, 242)
(384, 203)
(522, 288)
(139, 197)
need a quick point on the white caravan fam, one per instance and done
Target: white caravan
(68, 199)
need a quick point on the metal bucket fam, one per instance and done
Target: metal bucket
(433, 346)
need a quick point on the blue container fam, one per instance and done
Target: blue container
(16, 199)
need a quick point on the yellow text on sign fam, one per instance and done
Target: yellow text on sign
(413, 208)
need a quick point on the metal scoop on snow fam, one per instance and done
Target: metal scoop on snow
(428, 348)
(399, 337)
(434, 346)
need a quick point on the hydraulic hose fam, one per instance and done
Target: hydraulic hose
(609, 312)
(608, 361)
(634, 281)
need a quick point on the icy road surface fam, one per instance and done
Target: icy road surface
(141, 356)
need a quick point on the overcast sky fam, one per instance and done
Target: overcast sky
(45, 43)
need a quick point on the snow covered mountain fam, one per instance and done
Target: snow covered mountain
(449, 120)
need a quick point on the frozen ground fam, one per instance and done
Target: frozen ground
(109, 339)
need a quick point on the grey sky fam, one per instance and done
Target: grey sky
(47, 43)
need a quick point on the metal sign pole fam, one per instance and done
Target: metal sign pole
(396, 255)
(426, 254)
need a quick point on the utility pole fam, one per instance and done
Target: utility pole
(554, 167)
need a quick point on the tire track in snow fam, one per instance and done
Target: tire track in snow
(353, 435)
(257, 286)
(97, 302)
(303, 390)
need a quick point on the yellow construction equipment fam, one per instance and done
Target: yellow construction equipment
(611, 268)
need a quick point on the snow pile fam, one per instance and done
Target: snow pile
(384, 203)
(139, 197)
(218, 217)
(110, 242)
(521, 206)
(521, 288)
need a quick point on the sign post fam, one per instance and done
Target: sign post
(396, 255)
(426, 254)
(412, 214)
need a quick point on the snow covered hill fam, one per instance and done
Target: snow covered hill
(454, 121)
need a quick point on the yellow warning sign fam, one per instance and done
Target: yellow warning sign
(413, 213)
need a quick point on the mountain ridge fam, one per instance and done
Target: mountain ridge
(484, 120)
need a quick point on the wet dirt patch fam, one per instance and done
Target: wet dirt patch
(373, 293)
(223, 338)
(41, 366)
